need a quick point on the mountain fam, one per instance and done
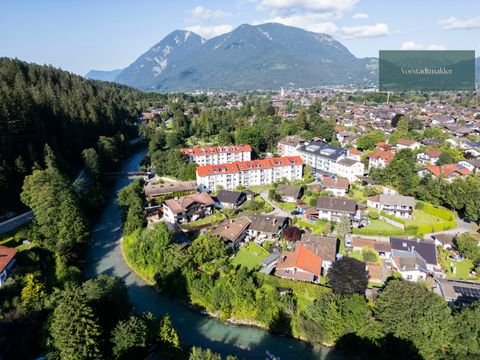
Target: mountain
(250, 57)
(103, 75)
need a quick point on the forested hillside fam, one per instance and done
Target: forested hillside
(42, 105)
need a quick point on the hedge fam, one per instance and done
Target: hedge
(363, 231)
(392, 217)
(430, 228)
(438, 211)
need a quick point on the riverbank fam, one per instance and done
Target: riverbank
(232, 321)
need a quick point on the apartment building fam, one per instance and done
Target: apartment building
(218, 154)
(396, 205)
(250, 173)
(288, 145)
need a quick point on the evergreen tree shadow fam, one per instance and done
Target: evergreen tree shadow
(389, 347)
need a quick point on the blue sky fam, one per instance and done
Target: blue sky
(79, 35)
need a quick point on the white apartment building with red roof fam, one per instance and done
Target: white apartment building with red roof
(250, 173)
(213, 155)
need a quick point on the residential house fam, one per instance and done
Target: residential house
(249, 173)
(232, 231)
(331, 209)
(324, 247)
(289, 193)
(7, 261)
(288, 145)
(407, 144)
(447, 172)
(187, 208)
(230, 199)
(354, 154)
(218, 154)
(379, 159)
(414, 259)
(375, 272)
(429, 157)
(170, 189)
(383, 249)
(446, 241)
(349, 169)
(472, 165)
(338, 187)
(458, 293)
(383, 146)
(396, 205)
(360, 243)
(346, 137)
(320, 156)
(301, 265)
(263, 227)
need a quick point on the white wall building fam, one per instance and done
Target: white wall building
(218, 154)
(250, 173)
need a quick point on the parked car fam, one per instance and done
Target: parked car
(295, 212)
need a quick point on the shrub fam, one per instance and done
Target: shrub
(369, 255)
(419, 205)
(373, 215)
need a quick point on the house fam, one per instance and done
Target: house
(407, 144)
(301, 265)
(230, 199)
(375, 272)
(232, 231)
(414, 259)
(264, 227)
(290, 193)
(187, 208)
(170, 189)
(360, 243)
(338, 187)
(396, 205)
(288, 145)
(324, 247)
(249, 173)
(458, 293)
(429, 157)
(448, 172)
(354, 154)
(218, 154)
(446, 241)
(383, 146)
(383, 249)
(7, 261)
(345, 137)
(379, 159)
(320, 156)
(472, 165)
(350, 169)
(332, 209)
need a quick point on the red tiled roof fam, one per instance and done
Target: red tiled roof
(405, 142)
(447, 170)
(6, 256)
(383, 145)
(433, 153)
(382, 154)
(335, 183)
(236, 167)
(198, 151)
(354, 151)
(301, 258)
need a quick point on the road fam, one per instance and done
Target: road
(276, 209)
(16, 222)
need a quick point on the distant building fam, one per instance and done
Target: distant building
(249, 173)
(447, 172)
(380, 159)
(288, 145)
(171, 189)
(407, 144)
(429, 157)
(218, 154)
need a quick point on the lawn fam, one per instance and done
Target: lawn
(378, 225)
(257, 205)
(422, 218)
(286, 206)
(317, 227)
(462, 269)
(357, 195)
(250, 256)
(306, 293)
(213, 219)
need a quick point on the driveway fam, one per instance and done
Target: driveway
(276, 209)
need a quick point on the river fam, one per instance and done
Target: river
(104, 257)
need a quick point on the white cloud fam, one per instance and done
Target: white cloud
(201, 13)
(453, 23)
(412, 45)
(360, 16)
(209, 32)
(312, 5)
(365, 31)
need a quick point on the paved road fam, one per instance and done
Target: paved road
(16, 222)
(276, 209)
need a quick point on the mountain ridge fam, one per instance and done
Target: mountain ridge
(250, 57)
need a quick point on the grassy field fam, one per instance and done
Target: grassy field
(257, 205)
(462, 269)
(317, 227)
(357, 195)
(250, 256)
(422, 218)
(213, 219)
(306, 293)
(380, 225)
(288, 207)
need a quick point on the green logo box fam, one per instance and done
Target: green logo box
(426, 70)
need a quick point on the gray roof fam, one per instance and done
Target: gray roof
(347, 162)
(229, 197)
(161, 189)
(385, 199)
(322, 246)
(289, 190)
(337, 204)
(322, 149)
(267, 223)
(426, 249)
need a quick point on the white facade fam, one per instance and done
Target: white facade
(218, 154)
(349, 169)
(257, 172)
